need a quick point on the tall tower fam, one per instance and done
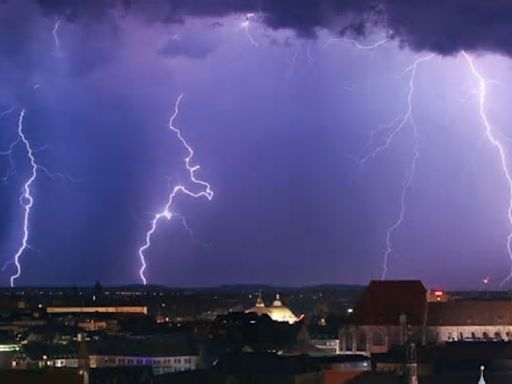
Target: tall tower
(83, 359)
(482, 380)
(411, 364)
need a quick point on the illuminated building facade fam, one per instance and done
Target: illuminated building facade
(142, 310)
(159, 364)
(469, 320)
(277, 311)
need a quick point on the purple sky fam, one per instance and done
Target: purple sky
(279, 116)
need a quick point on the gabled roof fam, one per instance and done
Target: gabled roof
(383, 302)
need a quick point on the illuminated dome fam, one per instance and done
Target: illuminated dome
(277, 311)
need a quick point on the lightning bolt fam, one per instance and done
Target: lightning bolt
(246, 25)
(489, 132)
(290, 69)
(56, 39)
(308, 53)
(26, 199)
(167, 213)
(190, 231)
(406, 185)
(407, 118)
(6, 112)
(9, 151)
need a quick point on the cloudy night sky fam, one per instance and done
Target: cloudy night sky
(297, 112)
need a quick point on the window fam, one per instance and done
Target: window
(361, 341)
(348, 341)
(378, 339)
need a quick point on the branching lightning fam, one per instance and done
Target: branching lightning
(167, 213)
(190, 231)
(6, 112)
(407, 118)
(26, 199)
(490, 134)
(9, 152)
(403, 195)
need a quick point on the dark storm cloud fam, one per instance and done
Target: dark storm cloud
(302, 16)
(447, 27)
(444, 27)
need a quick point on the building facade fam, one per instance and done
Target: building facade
(393, 313)
(388, 313)
(469, 320)
(277, 311)
(159, 364)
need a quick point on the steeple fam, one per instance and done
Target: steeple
(259, 301)
(277, 301)
(482, 380)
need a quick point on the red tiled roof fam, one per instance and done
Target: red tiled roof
(383, 302)
(470, 312)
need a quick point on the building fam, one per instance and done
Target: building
(330, 346)
(163, 355)
(31, 376)
(388, 313)
(469, 320)
(392, 313)
(98, 325)
(131, 310)
(46, 356)
(159, 364)
(437, 295)
(325, 336)
(277, 311)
